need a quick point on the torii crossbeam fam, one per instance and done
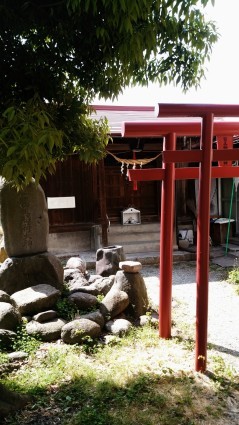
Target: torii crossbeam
(206, 129)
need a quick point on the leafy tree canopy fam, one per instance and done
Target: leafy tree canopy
(56, 55)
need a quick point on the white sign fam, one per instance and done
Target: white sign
(61, 202)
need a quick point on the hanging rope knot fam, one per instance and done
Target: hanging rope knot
(133, 161)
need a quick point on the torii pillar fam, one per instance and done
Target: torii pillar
(204, 156)
(166, 239)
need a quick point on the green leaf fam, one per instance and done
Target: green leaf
(11, 150)
(51, 143)
(9, 113)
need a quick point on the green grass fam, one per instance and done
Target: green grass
(22, 342)
(137, 380)
(233, 277)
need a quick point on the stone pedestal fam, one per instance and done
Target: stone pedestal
(131, 281)
(108, 259)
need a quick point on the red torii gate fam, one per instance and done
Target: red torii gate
(168, 174)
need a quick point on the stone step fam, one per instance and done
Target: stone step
(232, 248)
(134, 228)
(135, 238)
(145, 246)
(234, 240)
(124, 238)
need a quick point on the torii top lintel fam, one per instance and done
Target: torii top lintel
(195, 110)
(187, 127)
(181, 128)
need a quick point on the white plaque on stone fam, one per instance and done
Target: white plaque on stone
(61, 202)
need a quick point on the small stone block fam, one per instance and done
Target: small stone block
(45, 316)
(130, 266)
(18, 355)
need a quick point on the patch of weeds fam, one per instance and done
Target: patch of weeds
(24, 341)
(6, 345)
(100, 298)
(215, 267)
(89, 310)
(223, 373)
(213, 411)
(4, 358)
(89, 345)
(65, 290)
(140, 390)
(233, 277)
(226, 382)
(42, 376)
(184, 333)
(188, 343)
(66, 309)
(90, 415)
(135, 335)
(55, 357)
(151, 320)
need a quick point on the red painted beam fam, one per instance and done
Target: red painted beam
(217, 172)
(182, 156)
(146, 174)
(160, 128)
(189, 173)
(184, 173)
(195, 110)
(182, 128)
(225, 154)
(225, 172)
(196, 155)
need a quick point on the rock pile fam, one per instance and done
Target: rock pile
(98, 305)
(31, 279)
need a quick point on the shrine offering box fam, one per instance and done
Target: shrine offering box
(130, 216)
(220, 228)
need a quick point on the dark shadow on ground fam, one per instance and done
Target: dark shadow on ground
(222, 349)
(147, 399)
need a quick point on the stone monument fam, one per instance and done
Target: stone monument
(24, 220)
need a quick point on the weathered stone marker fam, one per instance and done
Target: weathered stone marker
(24, 219)
(25, 225)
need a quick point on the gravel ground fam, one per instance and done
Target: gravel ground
(223, 316)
